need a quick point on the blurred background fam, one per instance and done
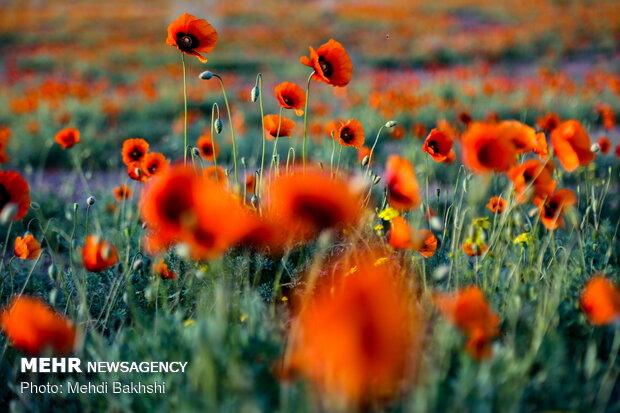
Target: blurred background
(104, 67)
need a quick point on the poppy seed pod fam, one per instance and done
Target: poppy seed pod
(90, 200)
(195, 151)
(595, 148)
(206, 75)
(376, 180)
(218, 125)
(390, 123)
(52, 272)
(137, 265)
(366, 160)
(254, 95)
(8, 213)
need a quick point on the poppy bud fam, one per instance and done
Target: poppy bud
(8, 212)
(52, 272)
(137, 265)
(254, 201)
(90, 200)
(255, 93)
(74, 243)
(144, 226)
(53, 296)
(390, 123)
(218, 125)
(243, 160)
(206, 75)
(436, 223)
(366, 160)
(376, 180)
(195, 151)
(75, 206)
(595, 148)
(35, 205)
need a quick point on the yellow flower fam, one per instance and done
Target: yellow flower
(526, 237)
(482, 223)
(188, 322)
(388, 214)
(380, 261)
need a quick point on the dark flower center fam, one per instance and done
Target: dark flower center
(136, 154)
(346, 135)
(207, 149)
(186, 42)
(152, 168)
(326, 67)
(434, 146)
(5, 197)
(288, 101)
(312, 210)
(551, 209)
(528, 177)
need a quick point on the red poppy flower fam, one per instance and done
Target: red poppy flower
(291, 96)
(278, 126)
(472, 249)
(154, 164)
(541, 148)
(122, 192)
(27, 248)
(350, 133)
(403, 189)
(497, 204)
(553, 207)
(331, 64)
(357, 335)
(400, 234)
(32, 327)
(600, 300)
(161, 268)
(604, 144)
(485, 150)
(98, 254)
(469, 311)
(522, 136)
(67, 137)
(14, 190)
(209, 149)
(532, 179)
(216, 174)
(571, 144)
(305, 203)
(134, 151)
(192, 36)
(438, 145)
(548, 122)
(135, 172)
(427, 243)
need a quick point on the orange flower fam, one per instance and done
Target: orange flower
(192, 36)
(154, 164)
(604, 144)
(305, 203)
(250, 184)
(400, 234)
(541, 148)
(122, 192)
(161, 268)
(32, 326)
(571, 144)
(356, 337)
(548, 122)
(438, 145)
(418, 130)
(135, 172)
(98, 254)
(472, 249)
(5, 137)
(600, 300)
(291, 96)
(14, 190)
(67, 137)
(331, 64)
(398, 132)
(427, 243)
(607, 115)
(497, 204)
(532, 179)
(278, 126)
(350, 134)
(469, 311)
(209, 149)
(27, 248)
(403, 190)
(216, 174)
(134, 151)
(552, 208)
(522, 136)
(485, 150)
(181, 206)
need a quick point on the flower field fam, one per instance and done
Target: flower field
(311, 206)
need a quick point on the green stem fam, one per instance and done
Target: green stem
(232, 129)
(217, 175)
(185, 110)
(262, 119)
(303, 147)
(372, 150)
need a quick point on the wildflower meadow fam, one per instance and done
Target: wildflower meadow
(309, 206)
